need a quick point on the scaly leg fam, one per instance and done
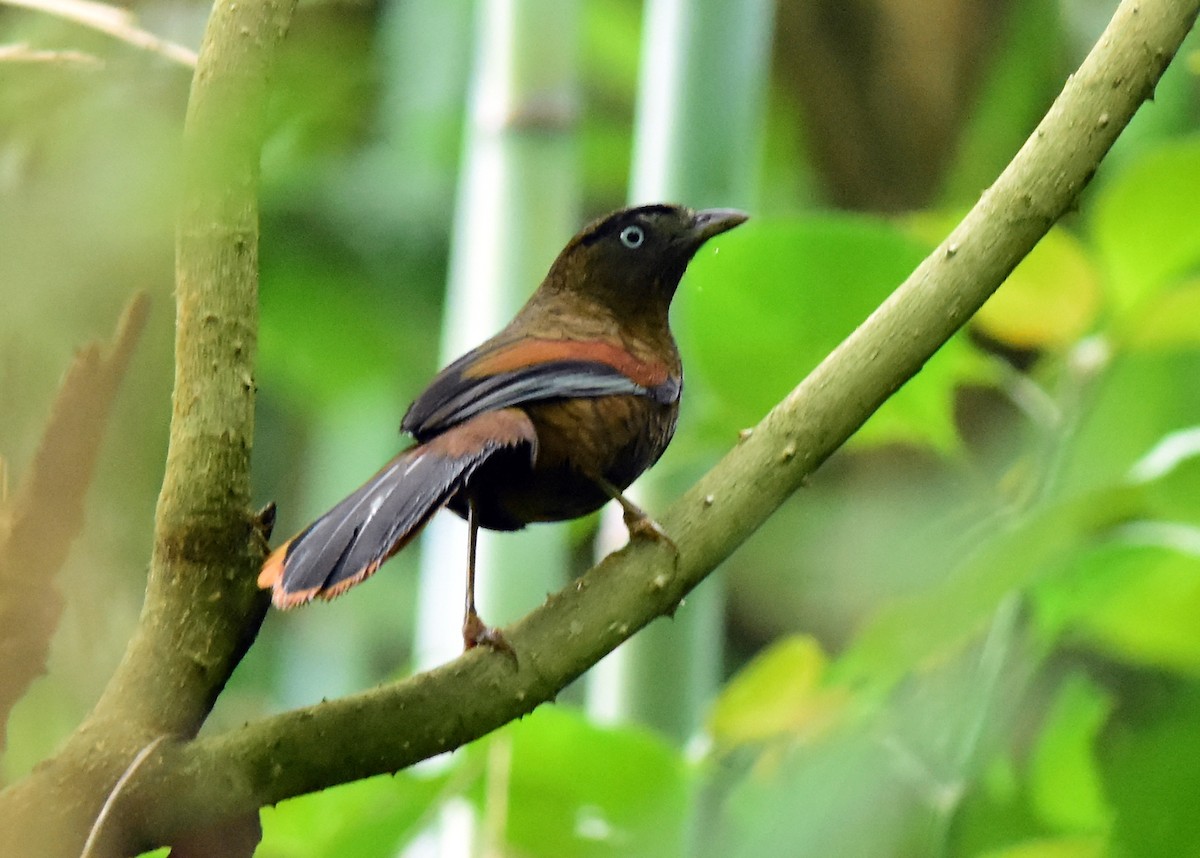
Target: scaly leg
(475, 631)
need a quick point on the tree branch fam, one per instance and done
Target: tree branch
(391, 727)
(43, 518)
(202, 607)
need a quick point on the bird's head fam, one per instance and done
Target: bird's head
(634, 258)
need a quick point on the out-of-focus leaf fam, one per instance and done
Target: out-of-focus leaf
(1139, 398)
(1053, 847)
(1170, 474)
(1065, 781)
(1146, 222)
(576, 789)
(869, 527)
(1050, 300)
(1138, 603)
(995, 814)
(778, 694)
(842, 795)
(774, 298)
(1165, 320)
(1151, 757)
(907, 632)
(1027, 65)
(326, 327)
(364, 819)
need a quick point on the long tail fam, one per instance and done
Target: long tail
(352, 540)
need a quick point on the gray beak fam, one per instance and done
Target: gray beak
(709, 222)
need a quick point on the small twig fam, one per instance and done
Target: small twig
(114, 793)
(22, 53)
(112, 21)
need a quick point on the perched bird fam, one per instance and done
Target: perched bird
(546, 421)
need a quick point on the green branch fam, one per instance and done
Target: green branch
(391, 727)
(202, 608)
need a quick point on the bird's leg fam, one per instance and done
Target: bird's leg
(475, 631)
(637, 520)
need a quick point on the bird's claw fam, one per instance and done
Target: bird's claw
(642, 526)
(477, 633)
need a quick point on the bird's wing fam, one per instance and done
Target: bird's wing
(530, 370)
(352, 540)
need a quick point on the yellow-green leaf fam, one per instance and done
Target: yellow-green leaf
(1049, 301)
(1052, 847)
(779, 693)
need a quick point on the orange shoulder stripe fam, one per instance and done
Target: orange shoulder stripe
(532, 352)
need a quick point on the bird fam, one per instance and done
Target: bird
(548, 420)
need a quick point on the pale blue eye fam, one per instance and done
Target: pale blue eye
(632, 237)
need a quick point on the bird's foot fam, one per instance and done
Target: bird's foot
(642, 526)
(476, 633)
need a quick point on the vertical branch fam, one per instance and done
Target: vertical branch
(202, 607)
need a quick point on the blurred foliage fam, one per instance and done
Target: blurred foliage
(974, 633)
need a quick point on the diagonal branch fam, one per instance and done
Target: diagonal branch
(38, 525)
(112, 20)
(394, 726)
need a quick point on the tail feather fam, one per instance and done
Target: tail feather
(352, 540)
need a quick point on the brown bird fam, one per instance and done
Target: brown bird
(546, 421)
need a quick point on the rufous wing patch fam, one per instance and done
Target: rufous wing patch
(535, 352)
(508, 427)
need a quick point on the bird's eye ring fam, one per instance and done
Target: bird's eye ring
(633, 237)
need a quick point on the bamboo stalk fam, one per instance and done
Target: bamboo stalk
(518, 203)
(700, 100)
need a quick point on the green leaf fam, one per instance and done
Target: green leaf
(576, 789)
(1053, 847)
(1137, 603)
(1066, 784)
(1003, 557)
(778, 693)
(1168, 319)
(1170, 474)
(1146, 223)
(771, 300)
(1139, 398)
(1151, 759)
(370, 818)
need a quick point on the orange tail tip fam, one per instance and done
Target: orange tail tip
(272, 569)
(271, 578)
(363, 574)
(283, 600)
